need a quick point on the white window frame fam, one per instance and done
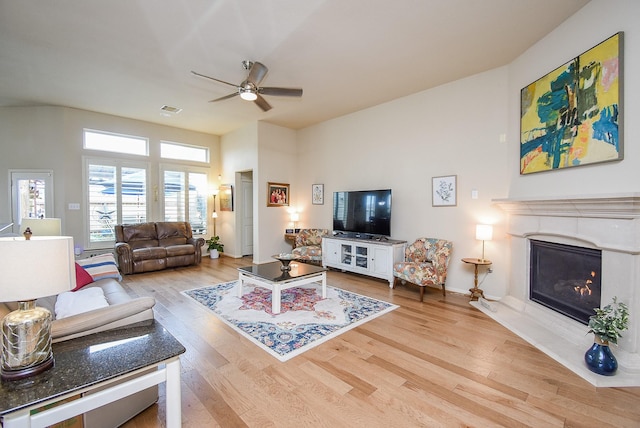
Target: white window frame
(119, 164)
(186, 170)
(114, 134)
(189, 146)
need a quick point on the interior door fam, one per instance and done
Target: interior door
(31, 196)
(246, 195)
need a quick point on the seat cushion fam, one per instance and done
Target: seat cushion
(150, 253)
(180, 250)
(416, 273)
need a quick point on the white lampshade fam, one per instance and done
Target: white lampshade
(484, 232)
(214, 215)
(295, 216)
(39, 267)
(42, 226)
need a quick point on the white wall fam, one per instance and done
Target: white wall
(270, 152)
(52, 137)
(277, 160)
(454, 129)
(239, 152)
(594, 23)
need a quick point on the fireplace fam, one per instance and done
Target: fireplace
(608, 225)
(565, 278)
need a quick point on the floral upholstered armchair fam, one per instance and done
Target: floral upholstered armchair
(309, 245)
(425, 264)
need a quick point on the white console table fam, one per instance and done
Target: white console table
(370, 257)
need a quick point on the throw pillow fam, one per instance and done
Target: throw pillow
(100, 267)
(82, 277)
(76, 302)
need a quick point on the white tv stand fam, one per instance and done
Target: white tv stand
(366, 256)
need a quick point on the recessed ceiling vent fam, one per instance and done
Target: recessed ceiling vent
(172, 110)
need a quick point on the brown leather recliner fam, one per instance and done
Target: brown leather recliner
(146, 247)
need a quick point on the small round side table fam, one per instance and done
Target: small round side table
(476, 293)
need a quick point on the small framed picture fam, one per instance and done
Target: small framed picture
(317, 194)
(444, 191)
(277, 195)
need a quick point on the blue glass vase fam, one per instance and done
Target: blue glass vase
(600, 359)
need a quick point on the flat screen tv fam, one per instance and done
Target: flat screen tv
(362, 212)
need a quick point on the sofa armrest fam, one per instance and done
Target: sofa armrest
(125, 257)
(198, 243)
(113, 316)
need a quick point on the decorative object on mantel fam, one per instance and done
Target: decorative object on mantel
(572, 115)
(606, 325)
(214, 246)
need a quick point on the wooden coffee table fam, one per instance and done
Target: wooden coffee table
(269, 275)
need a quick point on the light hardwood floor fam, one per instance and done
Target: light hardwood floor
(437, 363)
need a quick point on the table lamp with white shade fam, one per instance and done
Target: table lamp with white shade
(40, 267)
(295, 218)
(484, 232)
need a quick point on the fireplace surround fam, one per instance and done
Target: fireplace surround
(608, 223)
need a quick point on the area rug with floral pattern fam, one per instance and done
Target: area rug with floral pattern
(305, 320)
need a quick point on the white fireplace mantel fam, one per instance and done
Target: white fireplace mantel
(610, 223)
(619, 206)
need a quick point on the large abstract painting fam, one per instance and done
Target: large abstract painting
(572, 116)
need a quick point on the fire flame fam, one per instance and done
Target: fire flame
(585, 290)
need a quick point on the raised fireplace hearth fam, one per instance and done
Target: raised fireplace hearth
(608, 228)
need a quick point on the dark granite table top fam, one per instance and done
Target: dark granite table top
(272, 272)
(92, 359)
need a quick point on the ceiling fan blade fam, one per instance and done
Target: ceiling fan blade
(262, 103)
(257, 73)
(213, 78)
(281, 92)
(226, 97)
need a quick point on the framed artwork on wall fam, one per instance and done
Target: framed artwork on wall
(444, 191)
(573, 115)
(226, 197)
(317, 194)
(277, 195)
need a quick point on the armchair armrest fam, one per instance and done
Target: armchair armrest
(198, 243)
(125, 257)
(102, 319)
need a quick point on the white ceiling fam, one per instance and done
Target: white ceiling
(129, 58)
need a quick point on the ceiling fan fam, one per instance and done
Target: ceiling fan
(250, 88)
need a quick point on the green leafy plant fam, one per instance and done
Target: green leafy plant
(609, 321)
(214, 244)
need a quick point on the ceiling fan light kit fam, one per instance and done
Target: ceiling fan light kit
(250, 89)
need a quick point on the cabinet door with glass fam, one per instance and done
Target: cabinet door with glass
(346, 254)
(362, 256)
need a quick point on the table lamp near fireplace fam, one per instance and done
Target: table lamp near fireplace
(30, 269)
(484, 232)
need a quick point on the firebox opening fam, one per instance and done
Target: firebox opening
(565, 278)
